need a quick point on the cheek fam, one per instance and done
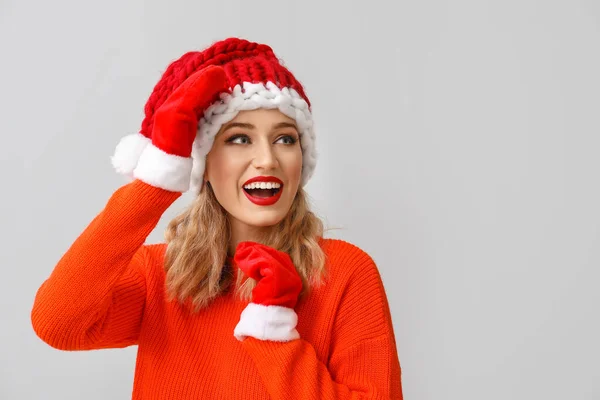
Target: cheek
(216, 167)
(225, 174)
(294, 164)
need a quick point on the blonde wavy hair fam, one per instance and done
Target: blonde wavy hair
(198, 242)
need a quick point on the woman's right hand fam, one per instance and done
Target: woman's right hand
(176, 120)
(167, 163)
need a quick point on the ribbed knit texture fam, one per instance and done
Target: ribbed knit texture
(107, 291)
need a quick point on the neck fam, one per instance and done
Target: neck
(241, 232)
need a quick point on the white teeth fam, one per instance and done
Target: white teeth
(263, 185)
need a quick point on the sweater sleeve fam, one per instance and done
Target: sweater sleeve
(363, 363)
(95, 296)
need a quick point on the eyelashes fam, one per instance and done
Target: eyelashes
(291, 140)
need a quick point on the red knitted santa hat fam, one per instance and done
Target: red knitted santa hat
(256, 79)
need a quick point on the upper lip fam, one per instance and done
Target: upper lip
(263, 179)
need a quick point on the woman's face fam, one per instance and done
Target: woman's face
(262, 143)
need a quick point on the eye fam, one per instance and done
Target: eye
(290, 139)
(235, 139)
(244, 139)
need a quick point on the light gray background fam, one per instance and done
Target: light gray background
(459, 147)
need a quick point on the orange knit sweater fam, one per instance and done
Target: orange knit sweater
(107, 291)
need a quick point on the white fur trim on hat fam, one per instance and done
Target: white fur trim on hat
(274, 323)
(127, 153)
(163, 170)
(253, 96)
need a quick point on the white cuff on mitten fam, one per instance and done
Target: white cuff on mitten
(267, 323)
(164, 170)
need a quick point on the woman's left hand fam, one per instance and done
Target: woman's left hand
(270, 315)
(278, 282)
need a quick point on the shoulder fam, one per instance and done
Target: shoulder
(153, 256)
(341, 249)
(353, 271)
(345, 259)
(156, 250)
(362, 300)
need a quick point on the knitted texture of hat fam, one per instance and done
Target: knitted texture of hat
(257, 79)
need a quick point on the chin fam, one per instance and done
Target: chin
(265, 220)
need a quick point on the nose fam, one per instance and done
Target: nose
(264, 156)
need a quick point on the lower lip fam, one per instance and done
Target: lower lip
(264, 201)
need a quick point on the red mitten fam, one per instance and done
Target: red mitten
(167, 162)
(270, 315)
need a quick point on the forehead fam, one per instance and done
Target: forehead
(262, 116)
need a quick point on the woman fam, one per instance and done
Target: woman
(246, 299)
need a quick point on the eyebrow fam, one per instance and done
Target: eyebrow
(250, 126)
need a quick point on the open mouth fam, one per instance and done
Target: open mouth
(263, 193)
(263, 190)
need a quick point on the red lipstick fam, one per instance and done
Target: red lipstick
(264, 201)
